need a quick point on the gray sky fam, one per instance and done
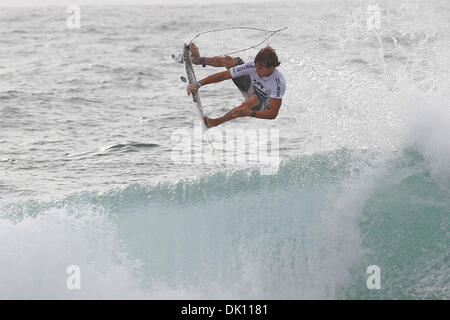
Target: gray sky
(116, 2)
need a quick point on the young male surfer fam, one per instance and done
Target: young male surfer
(259, 81)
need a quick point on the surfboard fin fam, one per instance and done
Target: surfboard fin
(178, 59)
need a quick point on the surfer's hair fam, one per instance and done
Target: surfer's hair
(268, 57)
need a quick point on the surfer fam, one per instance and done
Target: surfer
(261, 84)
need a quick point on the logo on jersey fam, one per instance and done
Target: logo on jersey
(259, 88)
(256, 82)
(277, 79)
(240, 68)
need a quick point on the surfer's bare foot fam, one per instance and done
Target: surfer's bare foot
(195, 57)
(209, 122)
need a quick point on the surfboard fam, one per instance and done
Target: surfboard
(191, 78)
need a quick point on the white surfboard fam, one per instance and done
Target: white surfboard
(191, 78)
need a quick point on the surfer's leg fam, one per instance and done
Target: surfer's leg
(221, 61)
(218, 61)
(250, 102)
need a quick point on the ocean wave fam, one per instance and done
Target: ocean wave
(130, 147)
(298, 234)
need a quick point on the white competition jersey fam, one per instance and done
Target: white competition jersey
(272, 86)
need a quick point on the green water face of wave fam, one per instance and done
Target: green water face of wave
(406, 229)
(214, 231)
(243, 235)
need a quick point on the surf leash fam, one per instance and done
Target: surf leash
(272, 32)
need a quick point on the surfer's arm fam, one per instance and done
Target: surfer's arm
(270, 113)
(216, 77)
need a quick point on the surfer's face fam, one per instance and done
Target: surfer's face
(264, 71)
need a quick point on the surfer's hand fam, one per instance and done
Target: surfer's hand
(192, 88)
